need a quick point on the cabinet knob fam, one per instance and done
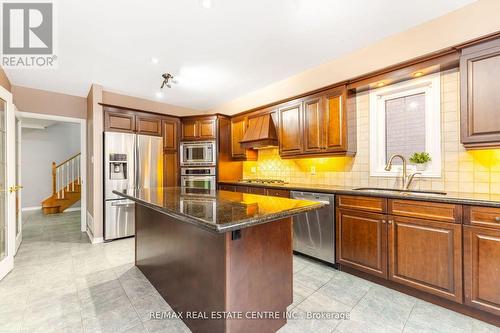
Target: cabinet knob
(390, 222)
(497, 218)
(383, 221)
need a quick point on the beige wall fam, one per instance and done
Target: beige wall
(48, 102)
(94, 161)
(463, 171)
(469, 22)
(146, 105)
(4, 80)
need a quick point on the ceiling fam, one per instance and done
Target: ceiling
(216, 54)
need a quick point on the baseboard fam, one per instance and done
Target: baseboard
(73, 209)
(27, 209)
(90, 234)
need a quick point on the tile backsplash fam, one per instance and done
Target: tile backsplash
(475, 171)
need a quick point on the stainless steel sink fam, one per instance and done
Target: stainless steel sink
(403, 192)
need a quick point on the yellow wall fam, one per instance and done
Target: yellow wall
(463, 171)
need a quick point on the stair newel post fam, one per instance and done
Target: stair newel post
(54, 178)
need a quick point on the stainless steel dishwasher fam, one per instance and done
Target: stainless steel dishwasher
(314, 232)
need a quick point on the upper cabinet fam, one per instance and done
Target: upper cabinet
(239, 126)
(317, 125)
(116, 121)
(199, 128)
(480, 95)
(290, 128)
(170, 134)
(129, 121)
(148, 125)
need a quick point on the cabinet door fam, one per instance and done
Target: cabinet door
(190, 129)
(119, 122)
(170, 135)
(238, 128)
(242, 189)
(482, 268)
(480, 95)
(313, 129)
(207, 128)
(170, 169)
(290, 129)
(335, 121)
(148, 125)
(362, 241)
(275, 192)
(426, 255)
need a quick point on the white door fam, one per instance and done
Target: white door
(18, 217)
(7, 183)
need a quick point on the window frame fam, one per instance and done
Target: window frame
(430, 85)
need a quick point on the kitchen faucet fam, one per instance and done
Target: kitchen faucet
(406, 179)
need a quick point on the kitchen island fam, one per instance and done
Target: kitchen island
(222, 260)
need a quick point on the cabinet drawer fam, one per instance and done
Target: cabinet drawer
(274, 192)
(426, 210)
(482, 216)
(227, 188)
(372, 204)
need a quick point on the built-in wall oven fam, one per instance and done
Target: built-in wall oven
(197, 153)
(200, 178)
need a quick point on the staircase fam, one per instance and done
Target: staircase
(66, 186)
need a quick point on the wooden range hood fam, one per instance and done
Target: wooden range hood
(260, 133)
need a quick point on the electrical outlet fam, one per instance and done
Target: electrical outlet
(253, 170)
(313, 170)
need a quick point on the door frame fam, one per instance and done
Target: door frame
(10, 153)
(18, 179)
(83, 151)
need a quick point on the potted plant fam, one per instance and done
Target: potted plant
(420, 160)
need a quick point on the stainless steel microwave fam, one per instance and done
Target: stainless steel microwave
(198, 153)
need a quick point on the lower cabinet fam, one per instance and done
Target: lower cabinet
(426, 255)
(273, 192)
(482, 268)
(362, 241)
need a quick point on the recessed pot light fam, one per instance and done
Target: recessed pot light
(380, 84)
(418, 74)
(154, 60)
(207, 4)
(159, 94)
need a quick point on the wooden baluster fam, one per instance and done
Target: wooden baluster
(67, 176)
(73, 174)
(58, 182)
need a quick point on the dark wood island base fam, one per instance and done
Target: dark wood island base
(200, 271)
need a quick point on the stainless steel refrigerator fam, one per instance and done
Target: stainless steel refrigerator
(130, 161)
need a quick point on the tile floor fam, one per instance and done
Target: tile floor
(62, 283)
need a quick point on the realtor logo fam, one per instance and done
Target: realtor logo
(28, 34)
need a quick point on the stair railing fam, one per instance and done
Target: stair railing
(65, 175)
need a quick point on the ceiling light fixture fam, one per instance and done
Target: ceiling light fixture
(207, 4)
(154, 61)
(418, 74)
(168, 79)
(159, 94)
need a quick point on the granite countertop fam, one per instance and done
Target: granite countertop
(218, 211)
(489, 200)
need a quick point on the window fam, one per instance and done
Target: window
(404, 119)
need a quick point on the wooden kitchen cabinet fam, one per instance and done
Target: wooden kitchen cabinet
(480, 95)
(313, 124)
(426, 255)
(335, 121)
(119, 122)
(238, 129)
(276, 192)
(290, 128)
(199, 128)
(482, 268)
(148, 125)
(482, 258)
(361, 241)
(170, 134)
